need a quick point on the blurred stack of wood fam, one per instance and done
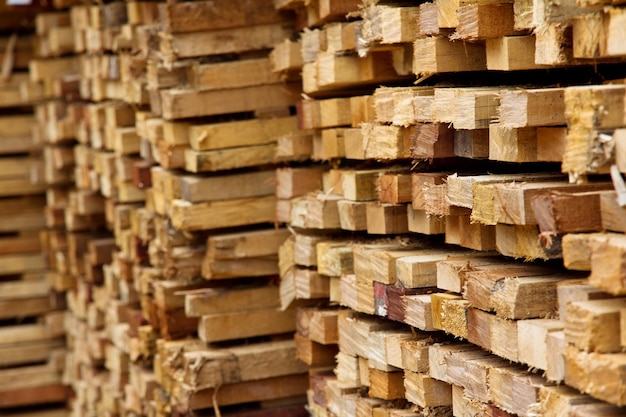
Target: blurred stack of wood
(89, 149)
(167, 206)
(32, 342)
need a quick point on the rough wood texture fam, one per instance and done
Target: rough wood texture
(187, 45)
(511, 53)
(434, 55)
(185, 103)
(513, 201)
(593, 325)
(484, 21)
(239, 325)
(596, 374)
(536, 107)
(606, 263)
(582, 105)
(512, 291)
(221, 214)
(206, 15)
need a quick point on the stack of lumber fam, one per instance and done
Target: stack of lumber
(89, 150)
(227, 244)
(466, 331)
(217, 112)
(169, 208)
(32, 342)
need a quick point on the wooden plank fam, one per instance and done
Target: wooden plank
(553, 45)
(512, 145)
(596, 374)
(563, 399)
(330, 72)
(420, 270)
(19, 263)
(20, 244)
(225, 187)
(518, 199)
(210, 15)
(19, 186)
(441, 302)
(46, 69)
(232, 158)
(244, 392)
(286, 56)
(578, 158)
(16, 166)
(235, 268)
(44, 394)
(535, 354)
(246, 244)
(221, 214)
(378, 262)
(313, 353)
(607, 276)
(432, 140)
(435, 55)
(318, 324)
(386, 142)
(484, 21)
(386, 218)
(612, 214)
(511, 53)
(594, 326)
(514, 389)
(472, 144)
(441, 356)
(480, 283)
(470, 235)
(233, 74)
(352, 215)
(194, 44)
(562, 213)
(418, 312)
(213, 136)
(319, 211)
(475, 108)
(295, 182)
(361, 185)
(386, 385)
(223, 300)
(452, 273)
(17, 125)
(185, 103)
(470, 370)
(424, 223)
(532, 107)
(241, 364)
(525, 242)
(239, 325)
(399, 24)
(24, 353)
(329, 10)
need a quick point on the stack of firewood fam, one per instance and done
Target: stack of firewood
(32, 342)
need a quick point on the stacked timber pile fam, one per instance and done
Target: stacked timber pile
(421, 159)
(417, 171)
(223, 110)
(88, 150)
(168, 208)
(32, 342)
